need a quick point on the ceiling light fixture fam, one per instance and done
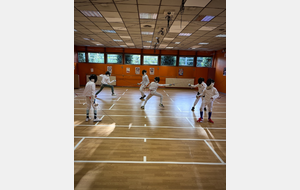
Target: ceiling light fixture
(207, 18)
(148, 15)
(184, 34)
(91, 13)
(109, 31)
(117, 40)
(147, 33)
(177, 42)
(221, 35)
(203, 43)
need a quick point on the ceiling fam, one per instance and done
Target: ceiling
(123, 17)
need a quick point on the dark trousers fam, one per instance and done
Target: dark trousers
(105, 85)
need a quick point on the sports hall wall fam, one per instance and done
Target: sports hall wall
(131, 79)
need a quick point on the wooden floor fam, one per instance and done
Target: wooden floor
(155, 148)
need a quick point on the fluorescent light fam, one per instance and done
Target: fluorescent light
(118, 40)
(148, 41)
(203, 43)
(168, 38)
(123, 45)
(146, 46)
(86, 38)
(207, 28)
(185, 34)
(147, 33)
(119, 28)
(148, 15)
(177, 42)
(109, 31)
(169, 47)
(91, 13)
(207, 18)
(125, 36)
(99, 44)
(221, 35)
(130, 44)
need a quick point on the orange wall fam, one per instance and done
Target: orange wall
(220, 63)
(131, 79)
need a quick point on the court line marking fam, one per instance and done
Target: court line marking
(178, 108)
(145, 159)
(123, 93)
(143, 110)
(145, 140)
(171, 99)
(141, 138)
(144, 116)
(119, 98)
(80, 125)
(214, 151)
(190, 122)
(79, 143)
(149, 162)
(111, 107)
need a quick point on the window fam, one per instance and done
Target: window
(114, 58)
(132, 59)
(150, 60)
(81, 57)
(168, 60)
(204, 61)
(186, 61)
(96, 57)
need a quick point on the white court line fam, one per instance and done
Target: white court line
(148, 116)
(167, 94)
(144, 158)
(214, 151)
(141, 138)
(126, 90)
(147, 126)
(111, 107)
(178, 108)
(147, 162)
(119, 98)
(190, 122)
(145, 140)
(123, 93)
(171, 99)
(79, 143)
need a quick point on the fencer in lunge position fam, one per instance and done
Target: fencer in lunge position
(105, 83)
(153, 87)
(89, 93)
(144, 83)
(209, 96)
(201, 87)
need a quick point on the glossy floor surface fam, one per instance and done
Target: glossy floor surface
(152, 148)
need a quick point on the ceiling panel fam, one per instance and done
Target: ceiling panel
(123, 17)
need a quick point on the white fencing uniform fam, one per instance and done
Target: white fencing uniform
(144, 83)
(105, 79)
(153, 87)
(201, 89)
(89, 93)
(209, 92)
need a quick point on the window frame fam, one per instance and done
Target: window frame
(114, 54)
(169, 65)
(186, 65)
(94, 62)
(132, 54)
(151, 55)
(205, 56)
(84, 56)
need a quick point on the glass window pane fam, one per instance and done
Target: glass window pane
(168, 60)
(114, 58)
(186, 61)
(204, 62)
(81, 57)
(150, 60)
(132, 59)
(96, 57)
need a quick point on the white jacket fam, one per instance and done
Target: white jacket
(105, 79)
(154, 85)
(145, 81)
(201, 88)
(211, 93)
(90, 89)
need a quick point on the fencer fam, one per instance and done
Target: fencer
(144, 83)
(201, 87)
